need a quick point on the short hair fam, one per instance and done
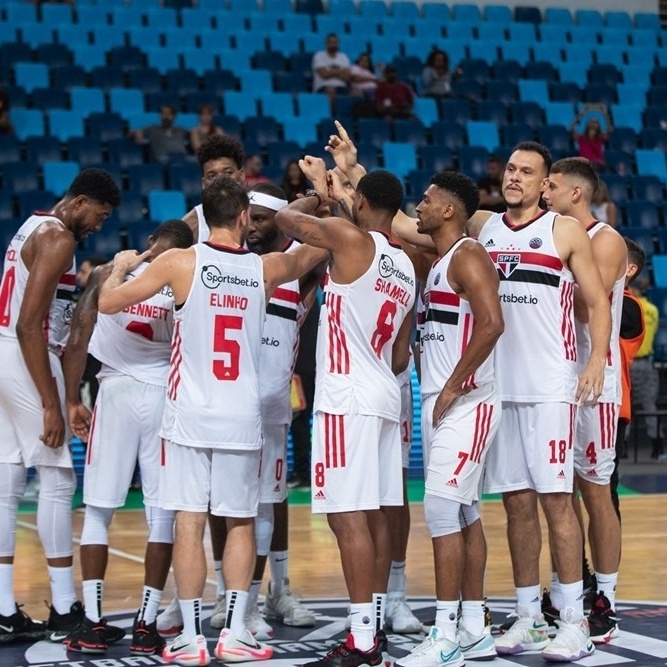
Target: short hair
(636, 254)
(223, 200)
(382, 190)
(95, 260)
(176, 232)
(535, 147)
(96, 184)
(459, 185)
(577, 167)
(221, 146)
(269, 189)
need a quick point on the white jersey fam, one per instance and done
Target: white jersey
(447, 330)
(15, 279)
(137, 341)
(213, 385)
(203, 230)
(536, 355)
(611, 390)
(358, 326)
(280, 345)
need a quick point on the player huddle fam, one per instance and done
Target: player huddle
(518, 318)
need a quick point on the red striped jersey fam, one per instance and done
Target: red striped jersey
(280, 345)
(15, 278)
(536, 355)
(137, 341)
(611, 390)
(213, 385)
(448, 326)
(358, 326)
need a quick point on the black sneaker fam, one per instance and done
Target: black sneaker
(488, 619)
(602, 621)
(60, 625)
(89, 637)
(145, 639)
(550, 613)
(346, 655)
(19, 627)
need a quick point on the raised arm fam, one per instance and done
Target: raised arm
(405, 228)
(282, 267)
(344, 153)
(192, 221)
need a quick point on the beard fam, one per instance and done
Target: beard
(514, 204)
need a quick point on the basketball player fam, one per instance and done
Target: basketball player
(36, 301)
(285, 311)
(212, 420)
(460, 417)
(133, 347)
(572, 184)
(363, 341)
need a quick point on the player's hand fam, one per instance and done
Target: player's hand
(129, 259)
(78, 416)
(444, 402)
(54, 428)
(315, 170)
(590, 384)
(342, 149)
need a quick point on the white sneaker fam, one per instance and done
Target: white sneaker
(255, 622)
(572, 642)
(219, 614)
(434, 651)
(191, 653)
(286, 608)
(527, 633)
(480, 647)
(398, 615)
(169, 623)
(243, 648)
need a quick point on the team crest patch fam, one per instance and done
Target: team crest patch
(436, 280)
(507, 263)
(535, 243)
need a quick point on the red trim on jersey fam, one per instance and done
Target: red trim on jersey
(67, 279)
(286, 295)
(339, 357)
(548, 261)
(175, 362)
(566, 326)
(573, 421)
(444, 298)
(483, 415)
(595, 222)
(334, 441)
(607, 417)
(89, 446)
(163, 453)
(516, 228)
(393, 244)
(239, 250)
(468, 326)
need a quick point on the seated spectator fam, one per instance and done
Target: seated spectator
(436, 77)
(294, 182)
(491, 186)
(164, 140)
(363, 80)
(331, 69)
(5, 124)
(206, 128)
(602, 207)
(252, 169)
(593, 141)
(393, 98)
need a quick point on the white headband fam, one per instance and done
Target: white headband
(267, 201)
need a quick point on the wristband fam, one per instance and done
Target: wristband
(315, 193)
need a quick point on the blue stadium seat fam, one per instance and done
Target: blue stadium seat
(588, 17)
(105, 126)
(627, 116)
(644, 38)
(533, 91)
(373, 9)
(646, 238)
(218, 81)
(543, 52)
(436, 11)
(483, 133)
(143, 178)
(312, 105)
(194, 101)
(195, 19)
(125, 153)
(405, 10)
(655, 116)
(617, 37)
(653, 137)
(617, 186)
(467, 88)
(65, 124)
(281, 152)
(553, 33)
(631, 91)
(300, 130)
(148, 79)
(126, 57)
(473, 161)
(647, 188)
(291, 82)
(436, 158)
(517, 51)
(572, 73)
(6, 206)
(131, 208)
(144, 37)
(558, 15)
(623, 139)
(31, 75)
(56, 55)
(492, 110)
(309, 6)
(498, 14)
(166, 204)
(618, 20)
(140, 232)
(603, 73)
(241, 105)
(296, 24)
(468, 13)
(426, 110)
(559, 113)
(411, 131)
(640, 213)
(555, 137)
(639, 55)
(273, 61)
(185, 177)
(374, 131)
(14, 52)
(455, 111)
(599, 93)
(278, 105)
(124, 101)
(87, 151)
(30, 201)
(41, 149)
(181, 81)
(50, 98)
(515, 133)
(37, 34)
(91, 15)
(506, 69)
(10, 149)
(162, 60)
(160, 17)
(87, 100)
(650, 162)
(619, 161)
(20, 177)
(647, 20)
(448, 134)
(528, 14)
(565, 92)
(609, 55)
(529, 113)
(107, 241)
(21, 13)
(58, 175)
(104, 77)
(657, 96)
(399, 157)
(27, 122)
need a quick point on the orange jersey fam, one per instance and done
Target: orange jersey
(632, 335)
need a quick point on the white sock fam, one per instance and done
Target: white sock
(528, 601)
(278, 562)
(7, 601)
(573, 598)
(446, 617)
(556, 593)
(93, 589)
(379, 606)
(237, 603)
(396, 577)
(607, 586)
(191, 612)
(150, 603)
(362, 626)
(472, 616)
(219, 580)
(253, 593)
(63, 595)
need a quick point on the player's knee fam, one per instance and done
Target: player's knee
(442, 515)
(264, 528)
(96, 525)
(56, 485)
(469, 514)
(12, 484)
(160, 525)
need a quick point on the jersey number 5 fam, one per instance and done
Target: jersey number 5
(384, 327)
(227, 368)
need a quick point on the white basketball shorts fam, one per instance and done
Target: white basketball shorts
(595, 442)
(273, 469)
(406, 422)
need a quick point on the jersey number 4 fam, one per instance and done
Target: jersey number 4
(228, 367)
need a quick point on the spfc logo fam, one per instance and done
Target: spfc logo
(507, 263)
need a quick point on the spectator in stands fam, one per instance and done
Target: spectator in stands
(164, 140)
(294, 182)
(331, 69)
(436, 77)
(393, 98)
(363, 80)
(252, 169)
(206, 128)
(490, 186)
(5, 124)
(593, 141)
(602, 207)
